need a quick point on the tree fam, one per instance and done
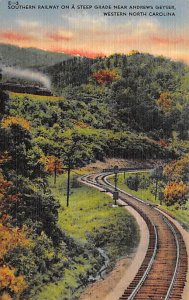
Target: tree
(24, 155)
(105, 76)
(53, 165)
(183, 124)
(133, 182)
(26, 201)
(165, 102)
(157, 175)
(177, 170)
(9, 281)
(175, 192)
(76, 153)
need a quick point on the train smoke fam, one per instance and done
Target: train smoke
(27, 74)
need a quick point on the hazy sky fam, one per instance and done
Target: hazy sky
(88, 32)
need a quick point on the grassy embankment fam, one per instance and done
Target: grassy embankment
(92, 222)
(181, 214)
(21, 96)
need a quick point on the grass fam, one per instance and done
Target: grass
(89, 211)
(64, 288)
(180, 213)
(32, 97)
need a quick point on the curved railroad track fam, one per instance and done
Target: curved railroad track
(162, 274)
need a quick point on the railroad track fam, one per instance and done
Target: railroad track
(162, 274)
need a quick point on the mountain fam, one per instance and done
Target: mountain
(29, 57)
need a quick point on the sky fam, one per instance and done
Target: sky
(86, 31)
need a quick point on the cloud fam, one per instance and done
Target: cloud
(93, 35)
(138, 28)
(77, 52)
(60, 35)
(86, 21)
(15, 36)
(28, 24)
(168, 40)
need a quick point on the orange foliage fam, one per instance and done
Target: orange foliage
(5, 296)
(9, 280)
(4, 196)
(105, 76)
(11, 238)
(52, 164)
(164, 102)
(177, 169)
(8, 121)
(175, 192)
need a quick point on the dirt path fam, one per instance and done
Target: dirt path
(113, 286)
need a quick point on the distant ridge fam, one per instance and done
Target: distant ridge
(29, 57)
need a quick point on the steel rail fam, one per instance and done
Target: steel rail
(169, 291)
(140, 283)
(155, 234)
(136, 289)
(177, 259)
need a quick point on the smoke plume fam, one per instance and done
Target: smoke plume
(27, 74)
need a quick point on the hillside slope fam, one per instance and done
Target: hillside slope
(137, 92)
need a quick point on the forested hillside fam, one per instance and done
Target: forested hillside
(133, 106)
(28, 213)
(138, 92)
(36, 247)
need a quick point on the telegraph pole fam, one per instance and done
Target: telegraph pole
(68, 169)
(158, 176)
(69, 162)
(115, 193)
(68, 183)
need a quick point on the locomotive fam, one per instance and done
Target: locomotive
(25, 89)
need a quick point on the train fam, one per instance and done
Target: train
(25, 89)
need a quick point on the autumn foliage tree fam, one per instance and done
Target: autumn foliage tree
(175, 192)
(10, 237)
(10, 282)
(53, 165)
(105, 76)
(176, 173)
(165, 102)
(177, 170)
